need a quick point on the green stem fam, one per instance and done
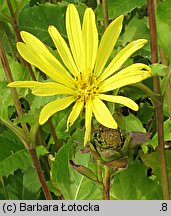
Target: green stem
(154, 97)
(106, 192)
(99, 171)
(159, 109)
(105, 13)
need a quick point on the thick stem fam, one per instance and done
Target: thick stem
(105, 13)
(38, 168)
(106, 192)
(159, 109)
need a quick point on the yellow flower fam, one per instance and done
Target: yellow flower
(85, 76)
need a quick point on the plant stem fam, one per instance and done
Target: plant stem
(33, 154)
(106, 192)
(159, 109)
(52, 129)
(17, 32)
(99, 171)
(28, 146)
(105, 13)
(154, 97)
(106, 182)
(13, 91)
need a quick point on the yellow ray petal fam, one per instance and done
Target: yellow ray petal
(90, 39)
(51, 88)
(88, 118)
(121, 57)
(121, 100)
(24, 84)
(63, 50)
(129, 75)
(36, 53)
(53, 107)
(73, 27)
(107, 44)
(76, 110)
(102, 114)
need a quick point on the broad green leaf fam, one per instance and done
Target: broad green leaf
(9, 144)
(71, 183)
(136, 29)
(38, 102)
(17, 160)
(118, 7)
(151, 160)
(37, 19)
(146, 112)
(163, 17)
(133, 184)
(24, 186)
(31, 182)
(13, 157)
(130, 123)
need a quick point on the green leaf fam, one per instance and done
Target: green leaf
(31, 182)
(136, 29)
(151, 160)
(18, 160)
(158, 69)
(41, 151)
(133, 184)
(118, 7)
(167, 134)
(9, 144)
(163, 17)
(38, 102)
(130, 123)
(13, 156)
(52, 188)
(71, 183)
(23, 186)
(28, 117)
(37, 19)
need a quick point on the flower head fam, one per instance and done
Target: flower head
(84, 78)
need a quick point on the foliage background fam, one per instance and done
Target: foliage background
(18, 178)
